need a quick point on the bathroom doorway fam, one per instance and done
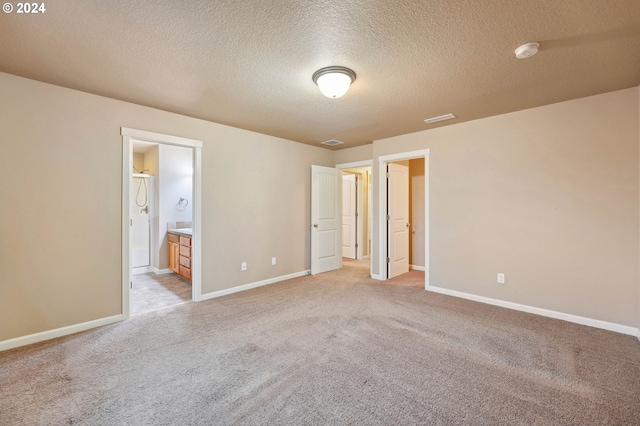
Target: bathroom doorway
(155, 211)
(162, 188)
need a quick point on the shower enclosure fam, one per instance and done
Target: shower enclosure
(141, 219)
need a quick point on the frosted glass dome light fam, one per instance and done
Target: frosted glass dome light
(334, 82)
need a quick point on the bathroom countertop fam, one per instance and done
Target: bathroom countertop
(187, 232)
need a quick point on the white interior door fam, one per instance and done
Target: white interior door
(398, 218)
(349, 216)
(326, 215)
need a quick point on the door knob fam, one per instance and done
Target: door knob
(408, 225)
(315, 225)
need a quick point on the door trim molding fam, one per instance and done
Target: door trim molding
(382, 203)
(355, 164)
(128, 136)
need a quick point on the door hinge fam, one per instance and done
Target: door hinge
(388, 175)
(130, 284)
(356, 214)
(388, 260)
(356, 245)
(130, 222)
(388, 218)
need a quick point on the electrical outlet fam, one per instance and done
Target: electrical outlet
(243, 266)
(273, 261)
(500, 278)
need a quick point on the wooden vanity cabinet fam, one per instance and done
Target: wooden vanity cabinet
(185, 257)
(174, 253)
(180, 255)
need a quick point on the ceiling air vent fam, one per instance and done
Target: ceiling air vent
(332, 142)
(440, 118)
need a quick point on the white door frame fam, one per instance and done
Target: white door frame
(382, 208)
(355, 165)
(128, 136)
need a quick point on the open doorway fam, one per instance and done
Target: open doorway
(356, 213)
(403, 197)
(161, 173)
(357, 219)
(162, 219)
(326, 216)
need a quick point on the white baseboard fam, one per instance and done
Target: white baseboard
(58, 332)
(141, 270)
(249, 286)
(417, 268)
(377, 277)
(162, 271)
(619, 328)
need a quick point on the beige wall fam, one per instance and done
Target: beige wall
(548, 196)
(351, 155)
(60, 167)
(174, 181)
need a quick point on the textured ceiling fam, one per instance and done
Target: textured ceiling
(249, 63)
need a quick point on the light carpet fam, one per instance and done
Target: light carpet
(336, 348)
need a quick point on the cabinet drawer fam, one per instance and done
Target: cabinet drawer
(185, 261)
(185, 272)
(185, 241)
(185, 251)
(174, 238)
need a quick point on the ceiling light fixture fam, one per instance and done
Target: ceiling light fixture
(334, 82)
(527, 50)
(439, 118)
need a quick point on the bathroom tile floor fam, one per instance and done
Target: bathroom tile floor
(152, 292)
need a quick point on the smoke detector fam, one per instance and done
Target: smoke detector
(527, 50)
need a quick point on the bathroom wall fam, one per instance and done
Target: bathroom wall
(175, 181)
(138, 162)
